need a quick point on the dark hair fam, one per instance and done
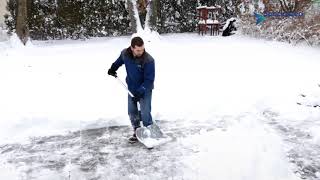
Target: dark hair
(136, 41)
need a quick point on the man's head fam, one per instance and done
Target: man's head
(137, 46)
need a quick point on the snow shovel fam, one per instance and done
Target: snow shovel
(150, 136)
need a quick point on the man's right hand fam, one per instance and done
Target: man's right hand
(112, 72)
(135, 99)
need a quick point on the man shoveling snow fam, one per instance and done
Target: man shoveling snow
(140, 69)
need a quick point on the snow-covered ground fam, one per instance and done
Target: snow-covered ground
(230, 105)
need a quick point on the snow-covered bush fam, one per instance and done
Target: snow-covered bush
(294, 30)
(60, 19)
(173, 16)
(181, 16)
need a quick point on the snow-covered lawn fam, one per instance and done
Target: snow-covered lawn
(239, 92)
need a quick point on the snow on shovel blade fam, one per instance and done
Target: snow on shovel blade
(151, 136)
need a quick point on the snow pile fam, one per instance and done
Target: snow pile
(310, 98)
(8, 172)
(228, 22)
(148, 36)
(3, 35)
(247, 150)
(15, 42)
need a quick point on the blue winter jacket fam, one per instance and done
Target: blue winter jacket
(140, 71)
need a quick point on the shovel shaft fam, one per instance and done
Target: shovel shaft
(138, 104)
(124, 86)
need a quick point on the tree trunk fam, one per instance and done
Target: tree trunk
(22, 26)
(132, 17)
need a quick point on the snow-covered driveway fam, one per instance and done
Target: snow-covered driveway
(230, 104)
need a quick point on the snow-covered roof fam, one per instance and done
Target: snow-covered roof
(202, 22)
(212, 7)
(210, 21)
(201, 7)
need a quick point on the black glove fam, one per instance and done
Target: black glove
(112, 72)
(135, 99)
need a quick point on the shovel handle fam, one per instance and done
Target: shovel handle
(128, 92)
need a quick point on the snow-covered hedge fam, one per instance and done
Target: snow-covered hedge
(181, 15)
(294, 30)
(174, 16)
(60, 19)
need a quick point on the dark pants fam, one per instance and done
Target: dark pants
(145, 106)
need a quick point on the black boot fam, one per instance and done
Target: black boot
(133, 139)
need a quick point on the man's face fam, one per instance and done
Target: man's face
(137, 51)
